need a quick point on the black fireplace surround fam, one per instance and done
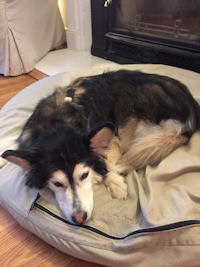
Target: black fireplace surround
(147, 31)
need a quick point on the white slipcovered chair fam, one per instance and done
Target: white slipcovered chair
(28, 30)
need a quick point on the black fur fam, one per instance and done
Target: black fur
(115, 96)
(111, 98)
(59, 147)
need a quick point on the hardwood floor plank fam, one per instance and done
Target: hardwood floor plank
(36, 74)
(10, 86)
(18, 247)
(80, 263)
(17, 82)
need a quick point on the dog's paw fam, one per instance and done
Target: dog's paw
(2, 162)
(116, 185)
(122, 169)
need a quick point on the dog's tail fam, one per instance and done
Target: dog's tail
(150, 150)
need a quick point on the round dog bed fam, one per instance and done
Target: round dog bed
(157, 225)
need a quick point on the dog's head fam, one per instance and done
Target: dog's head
(69, 163)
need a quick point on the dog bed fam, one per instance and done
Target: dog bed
(157, 225)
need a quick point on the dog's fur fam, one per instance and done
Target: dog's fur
(100, 128)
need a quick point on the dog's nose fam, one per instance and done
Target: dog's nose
(79, 217)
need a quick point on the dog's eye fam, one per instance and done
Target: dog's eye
(84, 175)
(58, 184)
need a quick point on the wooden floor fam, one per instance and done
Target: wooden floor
(18, 247)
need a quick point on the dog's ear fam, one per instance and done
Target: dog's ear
(100, 139)
(22, 158)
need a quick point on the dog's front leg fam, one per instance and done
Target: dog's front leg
(116, 185)
(114, 181)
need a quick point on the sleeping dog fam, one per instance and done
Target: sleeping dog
(98, 129)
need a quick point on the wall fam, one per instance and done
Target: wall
(63, 10)
(79, 32)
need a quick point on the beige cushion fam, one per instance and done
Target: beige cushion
(158, 224)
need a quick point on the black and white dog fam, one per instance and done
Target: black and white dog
(98, 129)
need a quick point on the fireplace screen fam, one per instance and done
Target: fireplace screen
(176, 19)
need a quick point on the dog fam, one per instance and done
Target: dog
(98, 129)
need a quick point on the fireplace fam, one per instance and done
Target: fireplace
(147, 31)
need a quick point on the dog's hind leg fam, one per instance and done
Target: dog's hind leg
(149, 150)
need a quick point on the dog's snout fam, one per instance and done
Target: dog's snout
(79, 217)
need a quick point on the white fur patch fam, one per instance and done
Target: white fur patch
(58, 176)
(79, 170)
(172, 126)
(145, 127)
(78, 198)
(83, 187)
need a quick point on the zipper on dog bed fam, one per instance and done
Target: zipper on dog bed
(162, 228)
